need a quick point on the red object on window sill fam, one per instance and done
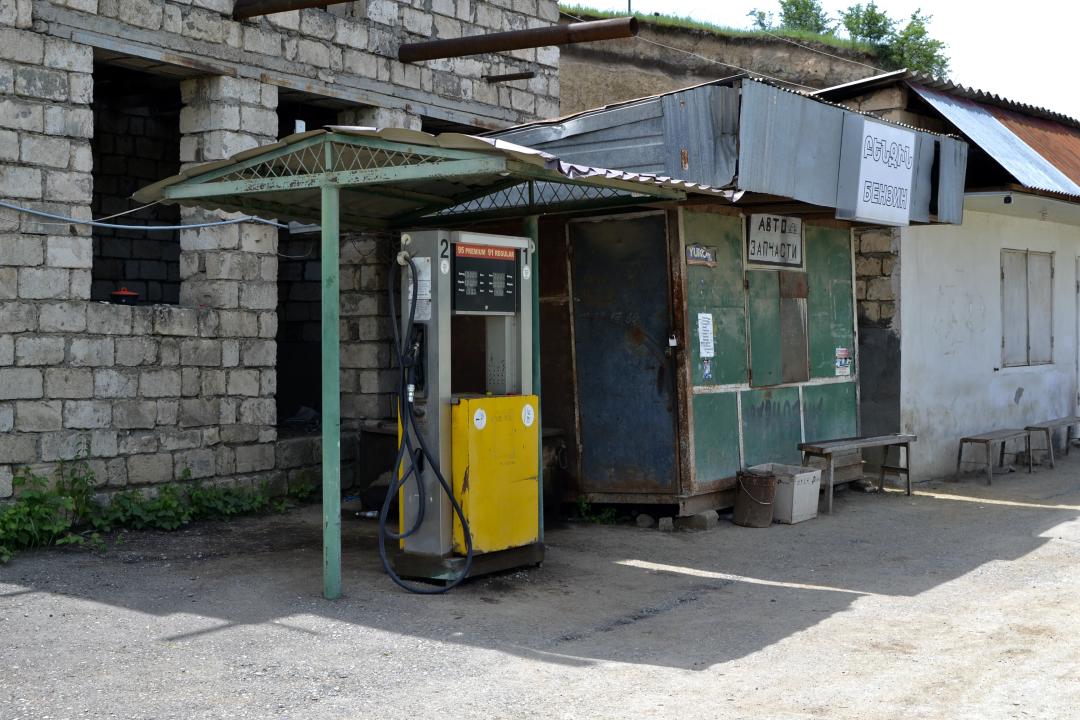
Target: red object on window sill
(123, 296)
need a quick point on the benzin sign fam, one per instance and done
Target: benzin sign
(885, 165)
(774, 240)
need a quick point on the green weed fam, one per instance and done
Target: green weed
(65, 511)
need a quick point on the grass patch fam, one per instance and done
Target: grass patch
(687, 23)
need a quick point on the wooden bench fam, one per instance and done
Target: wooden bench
(826, 449)
(989, 439)
(1048, 428)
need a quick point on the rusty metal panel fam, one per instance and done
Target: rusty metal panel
(792, 284)
(700, 134)
(619, 277)
(1000, 142)
(789, 145)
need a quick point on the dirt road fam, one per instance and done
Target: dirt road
(961, 602)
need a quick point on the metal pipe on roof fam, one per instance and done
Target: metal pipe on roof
(244, 9)
(562, 34)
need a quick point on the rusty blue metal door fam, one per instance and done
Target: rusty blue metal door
(622, 318)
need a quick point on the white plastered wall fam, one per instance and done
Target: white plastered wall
(952, 380)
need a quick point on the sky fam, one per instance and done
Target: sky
(1024, 51)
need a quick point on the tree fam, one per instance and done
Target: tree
(805, 15)
(913, 48)
(762, 19)
(867, 24)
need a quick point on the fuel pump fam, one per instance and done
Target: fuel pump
(467, 467)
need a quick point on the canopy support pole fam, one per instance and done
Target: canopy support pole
(532, 230)
(331, 395)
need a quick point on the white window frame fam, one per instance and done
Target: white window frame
(1027, 314)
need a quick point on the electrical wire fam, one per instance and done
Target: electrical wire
(147, 228)
(406, 349)
(128, 212)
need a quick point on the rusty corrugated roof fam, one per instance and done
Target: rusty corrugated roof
(838, 93)
(1039, 147)
(1058, 143)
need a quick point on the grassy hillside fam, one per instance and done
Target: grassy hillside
(675, 21)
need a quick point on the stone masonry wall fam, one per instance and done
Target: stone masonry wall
(348, 50)
(157, 391)
(877, 276)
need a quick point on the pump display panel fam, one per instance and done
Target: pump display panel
(485, 279)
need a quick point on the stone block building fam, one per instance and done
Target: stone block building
(99, 97)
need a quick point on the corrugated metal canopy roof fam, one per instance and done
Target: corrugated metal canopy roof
(394, 177)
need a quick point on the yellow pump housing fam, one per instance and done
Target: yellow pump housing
(495, 443)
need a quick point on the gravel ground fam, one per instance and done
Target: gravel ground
(960, 602)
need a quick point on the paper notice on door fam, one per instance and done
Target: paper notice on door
(706, 347)
(843, 361)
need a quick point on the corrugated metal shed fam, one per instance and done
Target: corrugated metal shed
(999, 141)
(742, 133)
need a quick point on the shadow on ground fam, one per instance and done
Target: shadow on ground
(682, 600)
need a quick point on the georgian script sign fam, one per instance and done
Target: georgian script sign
(882, 166)
(700, 255)
(775, 240)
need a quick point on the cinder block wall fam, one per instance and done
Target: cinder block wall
(155, 391)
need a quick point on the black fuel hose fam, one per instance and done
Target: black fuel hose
(406, 349)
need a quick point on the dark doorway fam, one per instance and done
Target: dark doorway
(136, 143)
